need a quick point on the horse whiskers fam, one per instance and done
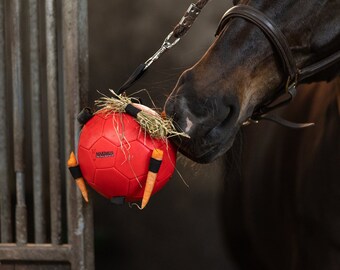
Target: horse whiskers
(171, 97)
(232, 158)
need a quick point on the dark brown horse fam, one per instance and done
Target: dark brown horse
(242, 70)
(282, 201)
(282, 198)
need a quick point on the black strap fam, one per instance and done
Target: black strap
(118, 200)
(85, 115)
(132, 110)
(318, 66)
(137, 74)
(75, 172)
(283, 122)
(154, 165)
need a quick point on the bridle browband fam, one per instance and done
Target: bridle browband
(273, 33)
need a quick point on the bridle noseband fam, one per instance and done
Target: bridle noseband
(293, 74)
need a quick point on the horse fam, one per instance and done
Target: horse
(280, 211)
(281, 197)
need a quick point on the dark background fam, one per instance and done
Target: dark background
(180, 228)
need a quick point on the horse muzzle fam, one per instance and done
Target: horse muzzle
(211, 126)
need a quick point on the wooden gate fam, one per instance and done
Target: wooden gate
(43, 84)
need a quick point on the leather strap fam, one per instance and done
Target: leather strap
(283, 122)
(279, 41)
(268, 27)
(318, 66)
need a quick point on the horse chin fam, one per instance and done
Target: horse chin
(204, 150)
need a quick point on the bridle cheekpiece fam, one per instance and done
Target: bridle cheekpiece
(293, 74)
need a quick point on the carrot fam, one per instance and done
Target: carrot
(155, 162)
(72, 163)
(163, 114)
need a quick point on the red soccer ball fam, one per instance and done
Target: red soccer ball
(114, 155)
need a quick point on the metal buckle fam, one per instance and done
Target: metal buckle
(250, 121)
(167, 44)
(193, 11)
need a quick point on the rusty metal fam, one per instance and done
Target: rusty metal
(36, 126)
(18, 122)
(5, 199)
(53, 120)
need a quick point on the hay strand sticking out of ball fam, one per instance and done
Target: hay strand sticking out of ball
(158, 127)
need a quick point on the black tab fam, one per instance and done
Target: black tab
(132, 79)
(154, 165)
(85, 115)
(118, 200)
(132, 110)
(75, 172)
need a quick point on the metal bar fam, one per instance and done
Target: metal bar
(38, 184)
(5, 198)
(83, 57)
(75, 67)
(18, 123)
(75, 217)
(35, 252)
(53, 122)
(83, 60)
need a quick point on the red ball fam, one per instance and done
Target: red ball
(114, 155)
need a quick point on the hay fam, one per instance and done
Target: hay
(156, 126)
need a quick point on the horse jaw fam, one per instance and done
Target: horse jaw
(211, 107)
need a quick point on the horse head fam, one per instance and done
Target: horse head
(242, 70)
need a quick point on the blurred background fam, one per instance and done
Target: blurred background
(180, 228)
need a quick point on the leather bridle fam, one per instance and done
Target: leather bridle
(293, 73)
